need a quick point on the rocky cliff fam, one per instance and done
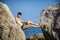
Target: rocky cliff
(50, 22)
(8, 27)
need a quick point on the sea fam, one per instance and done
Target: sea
(32, 31)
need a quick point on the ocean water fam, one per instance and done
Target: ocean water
(32, 31)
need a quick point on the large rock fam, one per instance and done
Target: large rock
(50, 22)
(8, 27)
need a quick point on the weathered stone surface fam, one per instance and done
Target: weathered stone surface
(8, 27)
(50, 22)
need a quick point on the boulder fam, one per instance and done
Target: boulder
(8, 27)
(50, 22)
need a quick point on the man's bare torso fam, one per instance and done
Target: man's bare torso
(19, 21)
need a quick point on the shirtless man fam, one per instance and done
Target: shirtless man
(21, 22)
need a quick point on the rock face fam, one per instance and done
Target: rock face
(50, 22)
(8, 27)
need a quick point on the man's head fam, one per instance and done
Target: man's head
(19, 14)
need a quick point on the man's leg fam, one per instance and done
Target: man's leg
(32, 24)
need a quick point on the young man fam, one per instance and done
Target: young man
(18, 20)
(22, 23)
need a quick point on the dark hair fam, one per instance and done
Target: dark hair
(19, 13)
